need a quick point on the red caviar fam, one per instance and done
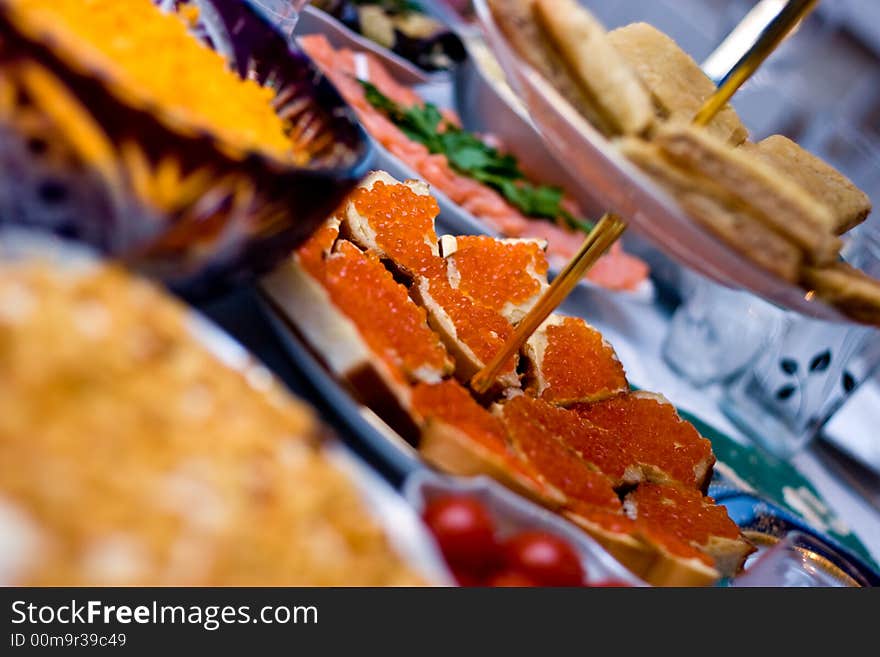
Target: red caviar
(495, 273)
(312, 253)
(558, 465)
(451, 403)
(404, 225)
(652, 433)
(390, 323)
(683, 512)
(578, 365)
(595, 445)
(483, 330)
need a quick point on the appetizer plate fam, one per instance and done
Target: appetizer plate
(778, 493)
(456, 220)
(621, 187)
(402, 525)
(312, 20)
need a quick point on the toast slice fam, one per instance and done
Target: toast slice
(676, 82)
(849, 205)
(516, 21)
(504, 275)
(850, 290)
(569, 361)
(691, 518)
(613, 87)
(472, 333)
(714, 208)
(648, 428)
(780, 203)
(461, 437)
(394, 220)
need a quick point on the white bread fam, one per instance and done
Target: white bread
(712, 206)
(850, 290)
(677, 84)
(595, 64)
(780, 203)
(516, 20)
(849, 205)
(451, 450)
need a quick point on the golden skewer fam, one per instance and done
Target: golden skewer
(776, 30)
(610, 227)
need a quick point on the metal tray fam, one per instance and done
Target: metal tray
(750, 511)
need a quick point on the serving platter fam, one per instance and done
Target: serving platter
(743, 472)
(623, 189)
(312, 20)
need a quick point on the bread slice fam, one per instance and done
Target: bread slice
(338, 343)
(516, 21)
(504, 275)
(848, 204)
(691, 518)
(395, 220)
(472, 334)
(713, 207)
(780, 203)
(649, 431)
(850, 290)
(676, 82)
(614, 88)
(569, 361)
(461, 437)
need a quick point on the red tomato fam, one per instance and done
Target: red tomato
(510, 578)
(464, 532)
(544, 558)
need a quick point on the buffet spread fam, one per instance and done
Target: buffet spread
(197, 145)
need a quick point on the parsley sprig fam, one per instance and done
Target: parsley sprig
(470, 156)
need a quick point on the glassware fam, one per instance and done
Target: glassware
(716, 331)
(805, 372)
(283, 14)
(797, 560)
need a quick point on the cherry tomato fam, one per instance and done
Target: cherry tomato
(544, 558)
(464, 532)
(510, 578)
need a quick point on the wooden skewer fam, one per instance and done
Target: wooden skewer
(610, 227)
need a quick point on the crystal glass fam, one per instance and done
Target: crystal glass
(797, 560)
(716, 331)
(281, 13)
(806, 371)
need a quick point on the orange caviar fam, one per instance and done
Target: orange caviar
(311, 254)
(607, 520)
(495, 273)
(672, 544)
(390, 323)
(449, 402)
(683, 512)
(483, 330)
(652, 434)
(595, 445)
(578, 365)
(555, 463)
(404, 225)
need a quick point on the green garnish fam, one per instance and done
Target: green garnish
(469, 156)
